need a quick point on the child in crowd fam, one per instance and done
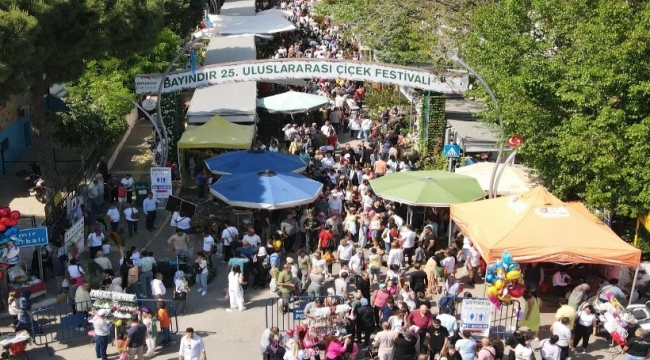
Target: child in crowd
(120, 345)
(152, 331)
(165, 323)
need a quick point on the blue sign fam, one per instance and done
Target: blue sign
(32, 237)
(299, 314)
(452, 151)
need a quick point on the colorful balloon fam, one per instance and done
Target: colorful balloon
(513, 266)
(15, 215)
(517, 291)
(506, 257)
(513, 275)
(490, 278)
(499, 284)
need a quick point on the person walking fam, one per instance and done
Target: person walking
(102, 333)
(131, 215)
(235, 291)
(531, 318)
(548, 348)
(201, 267)
(149, 206)
(585, 326)
(136, 336)
(192, 347)
(180, 291)
(385, 342)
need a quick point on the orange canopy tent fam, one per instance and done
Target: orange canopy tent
(538, 227)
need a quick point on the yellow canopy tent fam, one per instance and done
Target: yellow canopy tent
(538, 227)
(217, 133)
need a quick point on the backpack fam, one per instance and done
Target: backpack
(266, 264)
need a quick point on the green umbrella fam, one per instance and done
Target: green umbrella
(433, 188)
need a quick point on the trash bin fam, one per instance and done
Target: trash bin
(141, 191)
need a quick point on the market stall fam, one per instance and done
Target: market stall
(538, 227)
(19, 281)
(120, 305)
(322, 322)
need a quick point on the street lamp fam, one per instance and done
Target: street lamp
(196, 37)
(493, 185)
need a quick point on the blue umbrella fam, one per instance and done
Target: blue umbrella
(266, 190)
(250, 161)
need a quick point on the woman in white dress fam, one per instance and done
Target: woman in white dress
(524, 351)
(235, 291)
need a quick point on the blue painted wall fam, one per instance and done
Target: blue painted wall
(19, 135)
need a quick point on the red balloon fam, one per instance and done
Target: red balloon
(4, 212)
(12, 222)
(5, 221)
(15, 215)
(2, 228)
(517, 291)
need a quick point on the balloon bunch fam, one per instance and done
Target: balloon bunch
(8, 224)
(504, 280)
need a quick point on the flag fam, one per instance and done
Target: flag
(208, 23)
(193, 61)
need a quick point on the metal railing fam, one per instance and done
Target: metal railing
(286, 314)
(503, 321)
(65, 322)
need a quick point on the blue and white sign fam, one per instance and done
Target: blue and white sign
(452, 151)
(299, 314)
(32, 237)
(161, 182)
(476, 316)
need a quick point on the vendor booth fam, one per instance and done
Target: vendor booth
(218, 133)
(538, 227)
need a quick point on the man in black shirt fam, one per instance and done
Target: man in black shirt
(313, 227)
(363, 285)
(637, 347)
(437, 336)
(418, 279)
(405, 347)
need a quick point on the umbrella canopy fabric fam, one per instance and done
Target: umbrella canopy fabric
(266, 190)
(538, 227)
(251, 161)
(292, 102)
(427, 188)
(514, 180)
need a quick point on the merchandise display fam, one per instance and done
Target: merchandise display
(121, 305)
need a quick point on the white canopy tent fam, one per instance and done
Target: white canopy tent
(292, 102)
(263, 23)
(238, 8)
(235, 102)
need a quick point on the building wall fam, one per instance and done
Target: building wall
(15, 131)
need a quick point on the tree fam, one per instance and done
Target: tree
(182, 16)
(97, 100)
(401, 32)
(47, 42)
(572, 78)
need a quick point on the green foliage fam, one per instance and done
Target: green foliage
(572, 78)
(96, 101)
(182, 16)
(400, 32)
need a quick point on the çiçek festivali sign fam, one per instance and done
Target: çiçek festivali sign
(261, 70)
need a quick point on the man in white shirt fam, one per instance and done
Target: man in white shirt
(448, 321)
(408, 236)
(149, 206)
(192, 347)
(357, 263)
(127, 182)
(473, 264)
(335, 203)
(252, 238)
(228, 235)
(561, 329)
(113, 214)
(345, 251)
(157, 287)
(317, 262)
(366, 128)
(561, 283)
(131, 221)
(328, 161)
(95, 240)
(325, 129)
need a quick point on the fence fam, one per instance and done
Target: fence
(287, 316)
(503, 321)
(63, 323)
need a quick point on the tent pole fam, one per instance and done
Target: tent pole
(449, 238)
(636, 273)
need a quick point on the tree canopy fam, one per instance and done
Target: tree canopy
(400, 32)
(573, 79)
